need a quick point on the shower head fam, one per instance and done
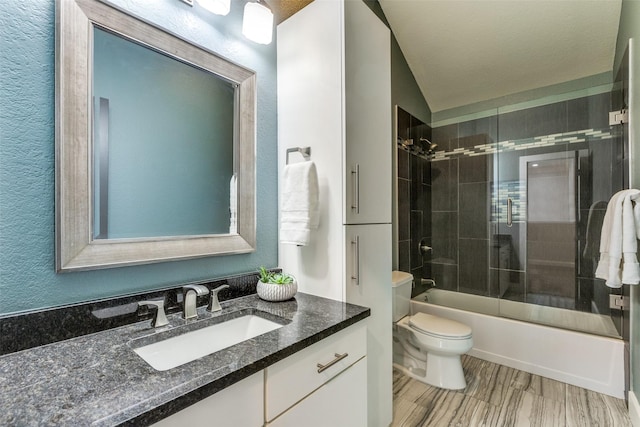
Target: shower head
(431, 146)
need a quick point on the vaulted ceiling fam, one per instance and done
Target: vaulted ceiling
(467, 51)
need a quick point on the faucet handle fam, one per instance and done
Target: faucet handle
(214, 304)
(160, 319)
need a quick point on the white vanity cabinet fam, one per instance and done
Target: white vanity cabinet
(241, 404)
(292, 392)
(299, 392)
(339, 403)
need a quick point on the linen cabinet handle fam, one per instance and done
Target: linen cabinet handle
(338, 357)
(356, 260)
(356, 188)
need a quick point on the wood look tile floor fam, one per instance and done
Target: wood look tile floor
(498, 396)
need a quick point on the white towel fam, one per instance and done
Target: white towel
(299, 212)
(618, 242)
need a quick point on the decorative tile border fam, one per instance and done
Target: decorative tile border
(511, 189)
(522, 144)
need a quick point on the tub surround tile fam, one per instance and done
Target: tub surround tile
(475, 169)
(426, 172)
(444, 185)
(474, 266)
(445, 275)
(426, 211)
(474, 210)
(416, 236)
(97, 379)
(445, 237)
(508, 284)
(446, 137)
(487, 127)
(589, 112)
(403, 164)
(512, 125)
(404, 209)
(404, 255)
(546, 119)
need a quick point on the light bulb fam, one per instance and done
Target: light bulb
(219, 7)
(257, 22)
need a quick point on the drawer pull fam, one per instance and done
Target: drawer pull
(338, 358)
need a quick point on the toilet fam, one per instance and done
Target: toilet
(427, 347)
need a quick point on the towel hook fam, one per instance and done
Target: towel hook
(305, 151)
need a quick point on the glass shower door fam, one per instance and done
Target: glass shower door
(558, 164)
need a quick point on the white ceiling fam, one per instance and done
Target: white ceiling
(467, 51)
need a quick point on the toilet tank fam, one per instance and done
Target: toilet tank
(402, 283)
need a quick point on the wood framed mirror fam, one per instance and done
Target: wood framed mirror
(155, 144)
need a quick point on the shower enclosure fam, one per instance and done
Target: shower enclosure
(509, 207)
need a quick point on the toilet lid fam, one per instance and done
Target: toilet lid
(438, 326)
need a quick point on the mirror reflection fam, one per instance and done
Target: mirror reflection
(163, 143)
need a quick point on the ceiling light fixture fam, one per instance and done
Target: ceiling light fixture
(219, 7)
(257, 22)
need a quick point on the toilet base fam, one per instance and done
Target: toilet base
(447, 375)
(444, 371)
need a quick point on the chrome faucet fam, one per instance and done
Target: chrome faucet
(190, 294)
(214, 304)
(160, 319)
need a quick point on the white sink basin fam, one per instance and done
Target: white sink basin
(181, 349)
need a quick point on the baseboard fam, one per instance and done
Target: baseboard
(634, 409)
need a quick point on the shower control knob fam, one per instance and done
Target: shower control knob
(423, 248)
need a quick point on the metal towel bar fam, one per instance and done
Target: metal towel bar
(305, 151)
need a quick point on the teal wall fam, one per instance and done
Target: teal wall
(27, 246)
(630, 29)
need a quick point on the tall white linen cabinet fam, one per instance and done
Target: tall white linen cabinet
(334, 96)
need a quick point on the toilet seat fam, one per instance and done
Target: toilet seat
(438, 327)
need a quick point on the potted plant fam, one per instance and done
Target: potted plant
(276, 286)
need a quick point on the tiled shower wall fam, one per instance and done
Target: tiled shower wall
(473, 250)
(447, 200)
(414, 198)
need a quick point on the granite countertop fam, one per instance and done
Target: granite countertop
(99, 380)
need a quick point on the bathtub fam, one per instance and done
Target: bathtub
(584, 360)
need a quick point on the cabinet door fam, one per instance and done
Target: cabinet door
(221, 409)
(342, 402)
(290, 380)
(368, 283)
(368, 117)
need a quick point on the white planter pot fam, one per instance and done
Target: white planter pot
(275, 292)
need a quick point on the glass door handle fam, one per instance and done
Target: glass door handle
(509, 212)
